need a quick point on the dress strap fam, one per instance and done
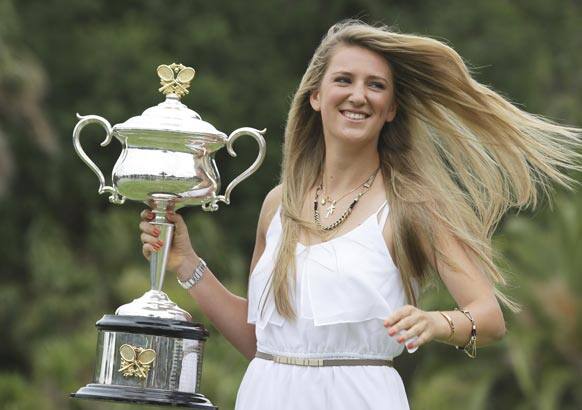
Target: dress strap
(382, 214)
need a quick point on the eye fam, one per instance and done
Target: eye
(378, 85)
(342, 80)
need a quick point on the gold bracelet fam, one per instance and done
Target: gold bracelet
(471, 347)
(451, 325)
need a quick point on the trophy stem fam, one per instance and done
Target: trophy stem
(155, 303)
(160, 204)
(159, 260)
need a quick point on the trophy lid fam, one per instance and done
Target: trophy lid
(171, 115)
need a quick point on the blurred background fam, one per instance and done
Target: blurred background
(69, 256)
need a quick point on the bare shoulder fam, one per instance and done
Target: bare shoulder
(273, 198)
(270, 205)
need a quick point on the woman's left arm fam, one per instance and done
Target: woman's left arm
(471, 290)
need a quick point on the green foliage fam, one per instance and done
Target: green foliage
(69, 256)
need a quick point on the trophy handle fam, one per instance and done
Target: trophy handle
(258, 136)
(95, 119)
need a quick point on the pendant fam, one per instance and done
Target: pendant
(330, 209)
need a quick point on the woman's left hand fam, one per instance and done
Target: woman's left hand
(413, 322)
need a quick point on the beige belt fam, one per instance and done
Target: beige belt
(299, 361)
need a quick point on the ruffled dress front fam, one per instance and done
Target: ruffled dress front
(345, 288)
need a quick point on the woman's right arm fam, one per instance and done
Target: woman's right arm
(226, 311)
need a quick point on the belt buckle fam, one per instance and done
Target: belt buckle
(298, 361)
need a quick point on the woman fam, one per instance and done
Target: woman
(397, 166)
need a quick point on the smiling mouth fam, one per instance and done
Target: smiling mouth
(354, 116)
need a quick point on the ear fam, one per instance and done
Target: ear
(391, 113)
(314, 101)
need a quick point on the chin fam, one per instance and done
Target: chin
(356, 137)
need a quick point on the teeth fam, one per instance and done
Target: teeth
(354, 115)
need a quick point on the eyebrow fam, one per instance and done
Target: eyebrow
(373, 77)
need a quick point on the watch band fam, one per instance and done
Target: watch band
(196, 275)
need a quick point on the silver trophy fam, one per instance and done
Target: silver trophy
(150, 351)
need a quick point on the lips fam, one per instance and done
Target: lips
(354, 115)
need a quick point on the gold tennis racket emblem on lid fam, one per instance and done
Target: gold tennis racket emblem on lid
(136, 361)
(175, 78)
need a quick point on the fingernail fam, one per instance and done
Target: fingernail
(156, 232)
(391, 332)
(160, 243)
(400, 339)
(410, 345)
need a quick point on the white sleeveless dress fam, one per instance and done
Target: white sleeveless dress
(345, 288)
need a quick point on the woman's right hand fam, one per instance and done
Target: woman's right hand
(181, 248)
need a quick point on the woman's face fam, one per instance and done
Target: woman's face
(356, 95)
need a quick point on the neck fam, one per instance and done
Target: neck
(344, 169)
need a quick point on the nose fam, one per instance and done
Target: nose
(357, 95)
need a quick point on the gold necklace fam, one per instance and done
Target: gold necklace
(325, 199)
(365, 188)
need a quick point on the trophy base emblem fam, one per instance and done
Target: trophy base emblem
(148, 360)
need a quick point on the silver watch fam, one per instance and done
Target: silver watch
(196, 275)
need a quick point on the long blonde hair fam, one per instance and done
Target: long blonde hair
(455, 159)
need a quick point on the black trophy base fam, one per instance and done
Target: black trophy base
(143, 396)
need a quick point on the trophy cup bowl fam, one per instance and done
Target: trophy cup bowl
(150, 351)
